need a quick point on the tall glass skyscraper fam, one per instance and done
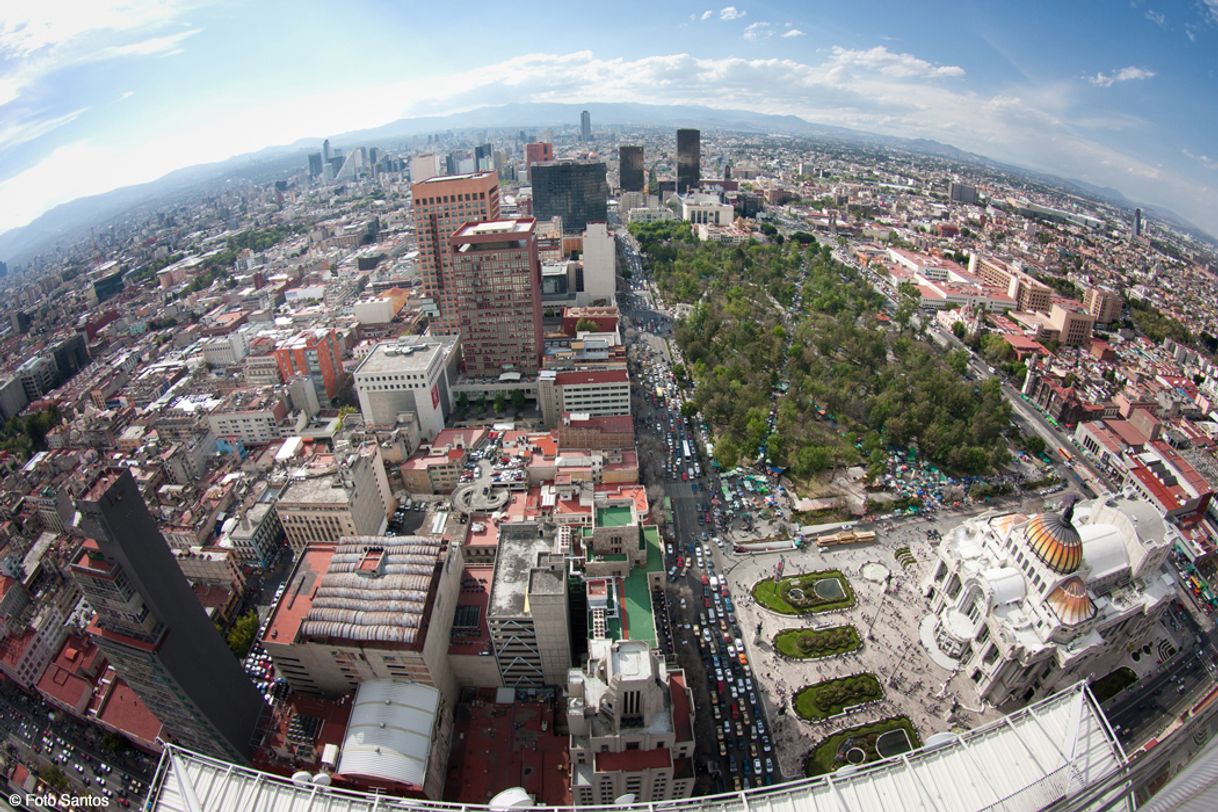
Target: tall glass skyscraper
(153, 629)
(689, 159)
(576, 191)
(630, 168)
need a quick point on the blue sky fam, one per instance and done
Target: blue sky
(97, 94)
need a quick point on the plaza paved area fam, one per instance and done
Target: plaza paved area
(887, 618)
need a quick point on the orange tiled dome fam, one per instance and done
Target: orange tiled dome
(1055, 542)
(1071, 602)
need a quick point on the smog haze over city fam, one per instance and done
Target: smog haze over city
(98, 95)
(492, 406)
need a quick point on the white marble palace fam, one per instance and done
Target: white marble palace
(1026, 605)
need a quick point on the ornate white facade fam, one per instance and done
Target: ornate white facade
(1027, 605)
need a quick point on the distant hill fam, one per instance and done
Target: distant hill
(68, 223)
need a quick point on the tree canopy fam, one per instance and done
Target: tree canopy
(854, 386)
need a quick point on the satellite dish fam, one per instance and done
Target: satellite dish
(939, 739)
(625, 800)
(302, 777)
(511, 798)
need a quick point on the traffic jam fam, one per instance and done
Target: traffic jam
(699, 605)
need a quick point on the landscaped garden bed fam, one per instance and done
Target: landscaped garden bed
(832, 696)
(813, 644)
(863, 744)
(806, 593)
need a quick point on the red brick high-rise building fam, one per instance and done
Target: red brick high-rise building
(539, 152)
(497, 279)
(441, 206)
(314, 353)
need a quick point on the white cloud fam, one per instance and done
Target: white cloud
(794, 32)
(706, 15)
(731, 13)
(1212, 5)
(1205, 160)
(1122, 75)
(757, 31)
(42, 38)
(40, 26)
(34, 127)
(154, 46)
(890, 63)
(875, 90)
(1156, 17)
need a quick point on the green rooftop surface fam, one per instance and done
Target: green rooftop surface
(639, 612)
(612, 557)
(616, 516)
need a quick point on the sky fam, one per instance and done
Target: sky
(99, 94)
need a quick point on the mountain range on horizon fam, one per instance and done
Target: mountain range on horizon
(69, 222)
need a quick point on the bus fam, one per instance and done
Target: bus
(1066, 455)
(685, 448)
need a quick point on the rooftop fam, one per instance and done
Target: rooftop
(614, 516)
(297, 598)
(506, 746)
(406, 354)
(633, 760)
(470, 634)
(375, 589)
(640, 616)
(1046, 752)
(520, 544)
(388, 739)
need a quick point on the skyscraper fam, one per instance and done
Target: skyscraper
(325, 151)
(314, 164)
(962, 193)
(630, 169)
(576, 191)
(484, 158)
(496, 274)
(441, 206)
(585, 126)
(689, 160)
(153, 629)
(1137, 223)
(538, 152)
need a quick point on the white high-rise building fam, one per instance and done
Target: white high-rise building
(600, 265)
(411, 376)
(424, 167)
(631, 726)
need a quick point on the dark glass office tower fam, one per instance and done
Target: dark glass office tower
(630, 162)
(585, 126)
(576, 191)
(689, 159)
(153, 629)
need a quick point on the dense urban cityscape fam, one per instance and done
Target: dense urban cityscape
(590, 463)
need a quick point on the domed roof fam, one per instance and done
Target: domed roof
(1071, 603)
(1055, 542)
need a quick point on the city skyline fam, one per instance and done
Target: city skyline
(94, 98)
